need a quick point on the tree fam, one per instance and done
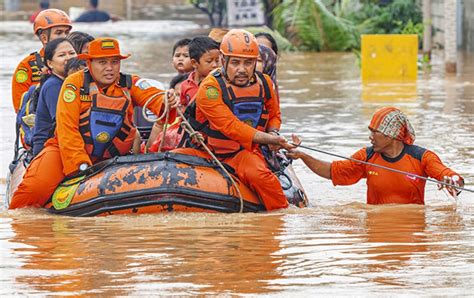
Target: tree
(215, 10)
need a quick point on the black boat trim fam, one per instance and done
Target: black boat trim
(142, 198)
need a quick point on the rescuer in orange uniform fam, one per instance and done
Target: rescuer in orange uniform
(48, 25)
(236, 109)
(392, 138)
(93, 122)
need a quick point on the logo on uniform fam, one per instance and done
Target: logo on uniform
(102, 137)
(69, 95)
(373, 173)
(21, 76)
(212, 93)
(249, 122)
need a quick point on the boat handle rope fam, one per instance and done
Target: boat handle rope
(385, 168)
(195, 135)
(166, 114)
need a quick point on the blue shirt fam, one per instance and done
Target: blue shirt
(46, 112)
(93, 16)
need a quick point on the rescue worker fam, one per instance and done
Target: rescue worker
(93, 122)
(236, 108)
(49, 25)
(392, 137)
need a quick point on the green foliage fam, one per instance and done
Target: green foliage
(337, 24)
(282, 42)
(310, 26)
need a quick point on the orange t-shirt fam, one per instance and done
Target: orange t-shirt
(27, 74)
(222, 119)
(387, 187)
(70, 106)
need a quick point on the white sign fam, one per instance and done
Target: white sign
(245, 13)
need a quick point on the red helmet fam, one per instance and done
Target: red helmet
(51, 18)
(239, 43)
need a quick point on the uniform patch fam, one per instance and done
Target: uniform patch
(212, 93)
(71, 86)
(21, 76)
(69, 95)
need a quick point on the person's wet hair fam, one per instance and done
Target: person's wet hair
(74, 64)
(178, 79)
(79, 39)
(180, 43)
(200, 45)
(94, 3)
(270, 39)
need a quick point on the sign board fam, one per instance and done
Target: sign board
(245, 13)
(389, 57)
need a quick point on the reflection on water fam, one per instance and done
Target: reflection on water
(337, 246)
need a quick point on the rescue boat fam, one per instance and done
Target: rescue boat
(163, 182)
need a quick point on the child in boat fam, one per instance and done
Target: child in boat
(392, 137)
(204, 54)
(151, 145)
(181, 60)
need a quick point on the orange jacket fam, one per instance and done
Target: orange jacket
(386, 187)
(221, 118)
(27, 73)
(70, 106)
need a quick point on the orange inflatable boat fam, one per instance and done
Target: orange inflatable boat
(162, 182)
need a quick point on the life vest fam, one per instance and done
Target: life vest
(246, 103)
(36, 66)
(105, 127)
(26, 116)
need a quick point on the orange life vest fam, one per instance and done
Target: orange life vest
(105, 127)
(247, 104)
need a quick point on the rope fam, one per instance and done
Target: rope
(385, 168)
(200, 139)
(165, 114)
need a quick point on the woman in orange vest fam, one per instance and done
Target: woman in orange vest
(236, 108)
(93, 122)
(49, 25)
(392, 138)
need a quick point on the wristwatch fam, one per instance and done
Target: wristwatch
(83, 167)
(274, 131)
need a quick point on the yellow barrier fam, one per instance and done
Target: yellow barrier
(389, 58)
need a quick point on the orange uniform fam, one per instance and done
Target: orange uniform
(387, 187)
(64, 153)
(27, 73)
(248, 163)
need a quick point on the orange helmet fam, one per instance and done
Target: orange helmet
(51, 18)
(239, 43)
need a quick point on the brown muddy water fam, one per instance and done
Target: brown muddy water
(337, 246)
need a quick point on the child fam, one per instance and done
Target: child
(151, 145)
(181, 61)
(204, 54)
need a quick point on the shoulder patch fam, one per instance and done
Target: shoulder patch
(69, 95)
(212, 92)
(73, 87)
(21, 76)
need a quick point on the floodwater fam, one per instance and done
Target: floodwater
(338, 245)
